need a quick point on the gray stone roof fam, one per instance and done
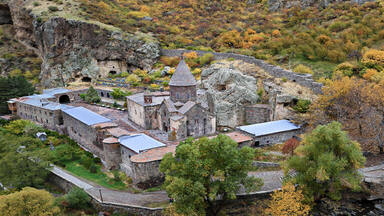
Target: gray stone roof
(182, 76)
(170, 106)
(187, 106)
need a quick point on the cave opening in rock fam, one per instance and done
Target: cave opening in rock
(64, 99)
(112, 72)
(5, 15)
(86, 79)
(222, 87)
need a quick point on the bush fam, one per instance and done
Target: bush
(53, 8)
(93, 168)
(206, 59)
(290, 146)
(302, 106)
(77, 199)
(86, 161)
(91, 96)
(344, 69)
(302, 69)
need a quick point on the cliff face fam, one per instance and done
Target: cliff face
(275, 5)
(73, 49)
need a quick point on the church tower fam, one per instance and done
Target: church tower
(182, 84)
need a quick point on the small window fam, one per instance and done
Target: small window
(46, 121)
(257, 143)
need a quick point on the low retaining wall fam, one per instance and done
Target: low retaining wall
(264, 164)
(276, 71)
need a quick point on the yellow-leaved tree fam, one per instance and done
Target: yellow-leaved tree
(28, 202)
(288, 201)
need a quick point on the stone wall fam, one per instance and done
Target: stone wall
(136, 113)
(276, 71)
(257, 113)
(147, 175)
(84, 135)
(39, 115)
(104, 93)
(275, 138)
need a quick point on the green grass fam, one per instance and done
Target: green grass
(320, 68)
(157, 205)
(98, 177)
(153, 189)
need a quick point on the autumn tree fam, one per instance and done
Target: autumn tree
(358, 105)
(288, 201)
(326, 163)
(206, 173)
(290, 146)
(28, 202)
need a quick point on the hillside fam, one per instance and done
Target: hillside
(320, 38)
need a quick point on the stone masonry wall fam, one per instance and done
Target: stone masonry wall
(276, 71)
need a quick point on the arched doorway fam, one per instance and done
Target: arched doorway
(64, 99)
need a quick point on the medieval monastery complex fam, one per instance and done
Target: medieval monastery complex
(179, 113)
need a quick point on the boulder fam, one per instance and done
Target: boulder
(230, 90)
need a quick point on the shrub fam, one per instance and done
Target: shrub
(302, 106)
(36, 4)
(169, 61)
(116, 175)
(86, 161)
(288, 201)
(77, 199)
(93, 168)
(344, 69)
(206, 59)
(373, 59)
(91, 96)
(290, 145)
(190, 55)
(302, 69)
(53, 8)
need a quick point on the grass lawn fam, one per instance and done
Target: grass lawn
(320, 68)
(98, 177)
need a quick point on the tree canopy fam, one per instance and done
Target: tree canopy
(91, 96)
(12, 87)
(205, 173)
(19, 167)
(326, 163)
(29, 202)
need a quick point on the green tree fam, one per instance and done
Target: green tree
(204, 170)
(91, 96)
(13, 87)
(326, 163)
(18, 166)
(77, 198)
(117, 93)
(29, 202)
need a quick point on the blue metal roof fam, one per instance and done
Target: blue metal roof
(86, 116)
(43, 103)
(269, 127)
(140, 142)
(54, 91)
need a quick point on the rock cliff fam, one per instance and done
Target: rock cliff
(231, 90)
(72, 48)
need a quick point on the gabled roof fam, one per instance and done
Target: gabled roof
(139, 142)
(271, 127)
(182, 76)
(170, 106)
(86, 116)
(187, 106)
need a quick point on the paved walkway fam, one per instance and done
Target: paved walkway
(112, 196)
(272, 179)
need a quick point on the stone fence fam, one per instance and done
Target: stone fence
(305, 80)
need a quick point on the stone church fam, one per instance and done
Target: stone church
(178, 112)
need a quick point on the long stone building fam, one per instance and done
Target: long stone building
(116, 147)
(177, 112)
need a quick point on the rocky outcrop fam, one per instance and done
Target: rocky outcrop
(231, 90)
(275, 5)
(72, 49)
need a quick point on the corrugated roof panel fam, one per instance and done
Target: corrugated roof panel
(54, 91)
(86, 116)
(140, 142)
(269, 127)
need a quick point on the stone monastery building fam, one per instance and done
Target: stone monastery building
(177, 112)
